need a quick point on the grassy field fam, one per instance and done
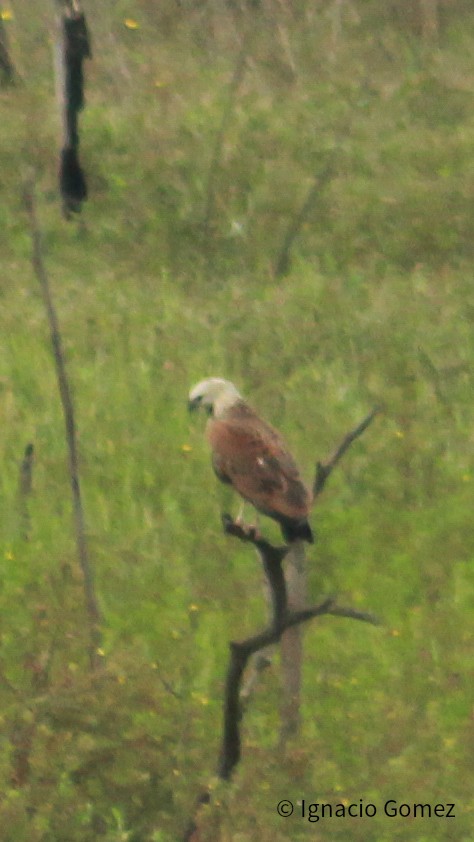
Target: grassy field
(377, 308)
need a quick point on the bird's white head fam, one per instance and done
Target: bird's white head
(215, 395)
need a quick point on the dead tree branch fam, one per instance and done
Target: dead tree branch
(283, 261)
(240, 651)
(325, 469)
(283, 619)
(92, 607)
(291, 646)
(295, 578)
(272, 558)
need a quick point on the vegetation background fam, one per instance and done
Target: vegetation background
(168, 277)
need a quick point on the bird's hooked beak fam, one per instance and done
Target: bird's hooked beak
(194, 404)
(198, 403)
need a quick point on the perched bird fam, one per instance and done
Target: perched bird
(251, 456)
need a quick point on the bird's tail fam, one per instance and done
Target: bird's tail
(297, 530)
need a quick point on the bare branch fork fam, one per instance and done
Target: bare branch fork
(272, 559)
(92, 607)
(240, 651)
(282, 619)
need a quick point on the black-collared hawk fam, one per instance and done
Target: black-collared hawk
(251, 456)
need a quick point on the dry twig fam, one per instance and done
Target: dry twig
(324, 469)
(283, 261)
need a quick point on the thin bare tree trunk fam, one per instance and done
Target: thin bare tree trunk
(292, 642)
(92, 607)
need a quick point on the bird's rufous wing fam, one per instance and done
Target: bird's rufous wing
(252, 456)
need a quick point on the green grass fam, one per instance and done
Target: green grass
(377, 309)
